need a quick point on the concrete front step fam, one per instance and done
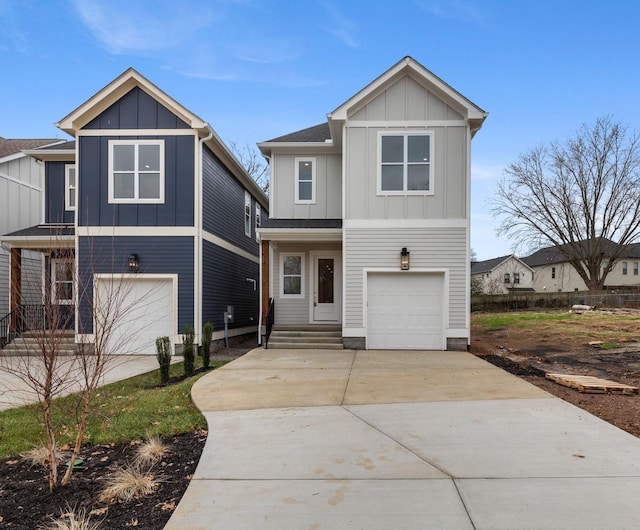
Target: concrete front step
(304, 346)
(30, 343)
(307, 327)
(277, 337)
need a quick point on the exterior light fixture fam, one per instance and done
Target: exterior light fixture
(404, 259)
(134, 264)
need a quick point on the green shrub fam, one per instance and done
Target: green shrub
(207, 333)
(163, 354)
(188, 349)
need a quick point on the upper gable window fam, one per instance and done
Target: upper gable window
(305, 180)
(136, 171)
(70, 187)
(405, 163)
(247, 213)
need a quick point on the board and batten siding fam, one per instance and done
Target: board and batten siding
(20, 194)
(448, 177)
(224, 283)
(104, 255)
(93, 190)
(328, 203)
(431, 248)
(223, 205)
(54, 193)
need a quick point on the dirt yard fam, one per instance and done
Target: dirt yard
(604, 344)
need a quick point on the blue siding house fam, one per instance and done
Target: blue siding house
(150, 221)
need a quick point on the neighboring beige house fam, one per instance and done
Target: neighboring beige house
(553, 273)
(21, 206)
(368, 224)
(502, 275)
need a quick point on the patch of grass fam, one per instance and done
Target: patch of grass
(150, 452)
(72, 520)
(492, 321)
(609, 346)
(135, 408)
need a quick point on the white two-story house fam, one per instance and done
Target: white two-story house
(368, 224)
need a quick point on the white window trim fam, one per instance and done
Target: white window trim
(67, 188)
(302, 274)
(114, 200)
(258, 215)
(297, 161)
(247, 214)
(404, 191)
(54, 282)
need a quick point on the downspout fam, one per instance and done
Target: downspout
(260, 257)
(199, 262)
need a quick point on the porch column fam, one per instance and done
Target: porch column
(15, 290)
(264, 280)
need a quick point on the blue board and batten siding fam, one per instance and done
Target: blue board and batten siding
(137, 110)
(54, 191)
(93, 200)
(225, 283)
(157, 255)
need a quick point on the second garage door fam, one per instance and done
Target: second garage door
(146, 312)
(405, 311)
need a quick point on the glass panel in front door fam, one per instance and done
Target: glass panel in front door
(325, 281)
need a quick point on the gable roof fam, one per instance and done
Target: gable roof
(111, 93)
(409, 66)
(489, 265)
(10, 147)
(553, 255)
(329, 134)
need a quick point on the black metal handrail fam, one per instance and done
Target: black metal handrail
(269, 321)
(29, 317)
(5, 329)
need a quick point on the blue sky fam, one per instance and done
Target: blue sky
(257, 69)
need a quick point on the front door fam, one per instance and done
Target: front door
(326, 295)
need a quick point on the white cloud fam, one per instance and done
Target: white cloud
(459, 10)
(340, 26)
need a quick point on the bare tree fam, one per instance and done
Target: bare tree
(50, 371)
(254, 163)
(581, 197)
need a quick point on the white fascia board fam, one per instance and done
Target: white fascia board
(38, 243)
(111, 93)
(52, 155)
(300, 234)
(267, 148)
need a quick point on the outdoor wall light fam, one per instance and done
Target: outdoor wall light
(134, 264)
(404, 259)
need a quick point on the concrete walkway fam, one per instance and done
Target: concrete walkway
(400, 440)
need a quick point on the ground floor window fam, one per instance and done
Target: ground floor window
(292, 267)
(62, 281)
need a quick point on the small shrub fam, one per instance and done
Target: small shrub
(150, 452)
(188, 349)
(39, 456)
(127, 484)
(72, 520)
(207, 333)
(163, 354)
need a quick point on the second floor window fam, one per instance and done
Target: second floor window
(635, 268)
(305, 180)
(624, 268)
(258, 215)
(136, 171)
(553, 272)
(516, 277)
(507, 277)
(70, 187)
(405, 163)
(247, 213)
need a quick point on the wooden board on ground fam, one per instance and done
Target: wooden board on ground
(592, 385)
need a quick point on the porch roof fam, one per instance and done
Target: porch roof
(44, 236)
(301, 229)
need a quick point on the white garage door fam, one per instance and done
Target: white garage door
(405, 311)
(136, 312)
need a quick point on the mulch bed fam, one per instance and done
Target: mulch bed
(25, 501)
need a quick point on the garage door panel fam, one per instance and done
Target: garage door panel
(405, 311)
(145, 312)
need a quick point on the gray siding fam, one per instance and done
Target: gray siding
(157, 255)
(328, 203)
(296, 310)
(438, 248)
(223, 205)
(448, 173)
(93, 193)
(20, 194)
(137, 110)
(224, 282)
(54, 194)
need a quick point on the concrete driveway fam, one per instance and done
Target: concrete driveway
(403, 440)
